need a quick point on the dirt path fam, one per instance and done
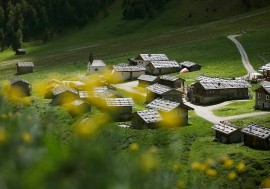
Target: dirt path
(129, 87)
(243, 53)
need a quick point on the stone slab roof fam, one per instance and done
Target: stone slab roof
(265, 67)
(257, 130)
(158, 88)
(61, 89)
(149, 78)
(225, 128)
(25, 64)
(128, 68)
(152, 57)
(220, 83)
(266, 85)
(150, 116)
(115, 102)
(166, 105)
(169, 78)
(188, 64)
(16, 80)
(77, 102)
(165, 64)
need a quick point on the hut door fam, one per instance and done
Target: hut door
(262, 105)
(130, 75)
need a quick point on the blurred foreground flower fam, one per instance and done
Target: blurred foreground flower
(227, 163)
(26, 137)
(176, 167)
(3, 136)
(181, 184)
(211, 172)
(232, 176)
(241, 167)
(133, 147)
(148, 162)
(266, 183)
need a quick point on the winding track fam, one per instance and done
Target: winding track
(206, 111)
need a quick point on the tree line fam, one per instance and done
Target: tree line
(40, 19)
(133, 9)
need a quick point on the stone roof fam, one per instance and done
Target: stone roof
(188, 64)
(165, 64)
(225, 128)
(166, 105)
(149, 78)
(128, 68)
(158, 88)
(220, 83)
(152, 57)
(115, 102)
(169, 78)
(98, 63)
(257, 130)
(150, 116)
(25, 64)
(77, 102)
(84, 94)
(16, 80)
(104, 92)
(266, 86)
(61, 89)
(265, 67)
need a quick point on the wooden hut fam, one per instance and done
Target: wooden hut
(124, 72)
(146, 80)
(191, 66)
(145, 59)
(146, 119)
(227, 133)
(172, 81)
(20, 87)
(78, 107)
(208, 90)
(24, 67)
(162, 67)
(119, 108)
(265, 70)
(20, 52)
(262, 99)
(63, 95)
(162, 91)
(257, 136)
(176, 111)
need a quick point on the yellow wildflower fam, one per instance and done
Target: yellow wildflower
(232, 176)
(3, 136)
(241, 167)
(266, 183)
(176, 167)
(228, 163)
(153, 150)
(148, 162)
(26, 137)
(134, 147)
(181, 184)
(211, 172)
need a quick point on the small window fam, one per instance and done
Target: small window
(259, 95)
(259, 103)
(267, 97)
(96, 69)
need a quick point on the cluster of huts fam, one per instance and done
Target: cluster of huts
(253, 135)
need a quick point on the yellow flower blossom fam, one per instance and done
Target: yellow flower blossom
(153, 150)
(266, 183)
(133, 147)
(241, 167)
(176, 167)
(26, 137)
(3, 136)
(148, 162)
(228, 163)
(181, 184)
(211, 172)
(232, 176)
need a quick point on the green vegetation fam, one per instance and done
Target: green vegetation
(260, 119)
